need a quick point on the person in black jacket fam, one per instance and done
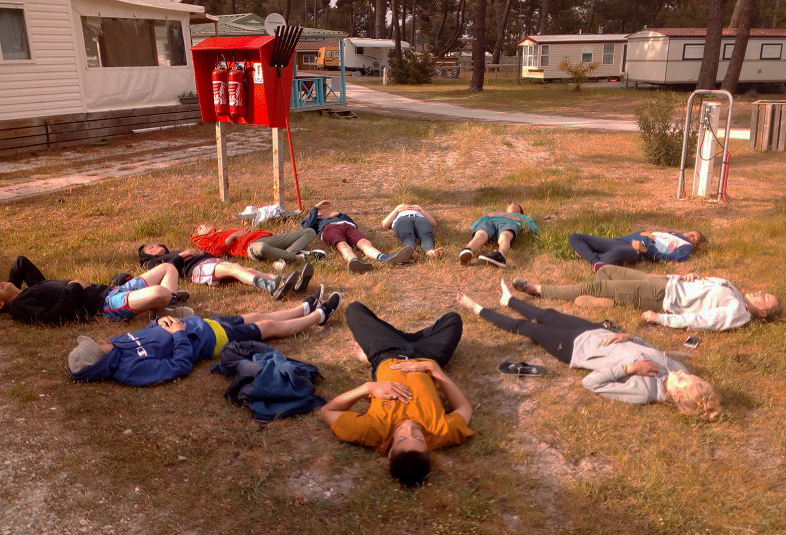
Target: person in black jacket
(203, 268)
(60, 301)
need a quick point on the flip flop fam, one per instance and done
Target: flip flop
(520, 369)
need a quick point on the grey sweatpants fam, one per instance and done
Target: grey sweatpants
(281, 246)
(623, 285)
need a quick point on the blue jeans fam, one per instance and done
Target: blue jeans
(607, 250)
(407, 228)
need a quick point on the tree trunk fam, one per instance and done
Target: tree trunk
(396, 31)
(544, 17)
(442, 23)
(460, 12)
(479, 46)
(414, 23)
(709, 64)
(590, 17)
(735, 16)
(287, 11)
(379, 19)
(403, 20)
(745, 8)
(501, 25)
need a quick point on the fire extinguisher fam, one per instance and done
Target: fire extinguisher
(220, 90)
(237, 89)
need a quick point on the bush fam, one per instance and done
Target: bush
(663, 136)
(578, 73)
(412, 69)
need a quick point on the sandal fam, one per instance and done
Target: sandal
(520, 368)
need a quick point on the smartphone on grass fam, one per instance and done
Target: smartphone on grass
(692, 342)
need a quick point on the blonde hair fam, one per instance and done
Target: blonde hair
(699, 399)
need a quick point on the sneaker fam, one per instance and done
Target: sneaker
(285, 285)
(175, 312)
(330, 306)
(279, 265)
(356, 265)
(399, 257)
(597, 265)
(520, 285)
(495, 258)
(316, 254)
(179, 298)
(315, 300)
(305, 277)
(465, 256)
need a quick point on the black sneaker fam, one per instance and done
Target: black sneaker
(495, 258)
(399, 257)
(305, 277)
(356, 265)
(330, 306)
(285, 285)
(179, 298)
(314, 300)
(316, 254)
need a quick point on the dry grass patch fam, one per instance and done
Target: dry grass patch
(547, 457)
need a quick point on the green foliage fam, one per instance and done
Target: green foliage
(579, 72)
(412, 69)
(662, 136)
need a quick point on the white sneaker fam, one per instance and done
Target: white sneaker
(279, 265)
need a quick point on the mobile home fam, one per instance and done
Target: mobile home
(367, 55)
(542, 54)
(666, 56)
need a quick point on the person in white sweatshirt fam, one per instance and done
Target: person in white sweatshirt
(678, 301)
(624, 367)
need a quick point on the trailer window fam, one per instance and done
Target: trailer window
(360, 50)
(13, 34)
(530, 56)
(693, 52)
(544, 55)
(586, 54)
(728, 50)
(309, 59)
(771, 51)
(116, 42)
(608, 53)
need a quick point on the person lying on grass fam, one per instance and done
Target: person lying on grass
(54, 302)
(257, 244)
(624, 367)
(655, 246)
(411, 222)
(169, 347)
(406, 418)
(204, 268)
(678, 301)
(500, 226)
(340, 231)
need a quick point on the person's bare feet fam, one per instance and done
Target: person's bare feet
(527, 287)
(506, 295)
(434, 253)
(467, 302)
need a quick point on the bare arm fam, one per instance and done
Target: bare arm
(381, 389)
(235, 235)
(431, 220)
(388, 221)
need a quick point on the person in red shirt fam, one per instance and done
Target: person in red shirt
(257, 244)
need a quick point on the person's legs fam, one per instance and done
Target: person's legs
(377, 338)
(644, 294)
(619, 273)
(368, 248)
(230, 270)
(425, 232)
(270, 328)
(281, 246)
(163, 274)
(504, 241)
(152, 297)
(549, 316)
(346, 251)
(288, 314)
(591, 247)
(438, 341)
(478, 240)
(558, 341)
(404, 230)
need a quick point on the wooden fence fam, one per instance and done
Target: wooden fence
(40, 133)
(768, 125)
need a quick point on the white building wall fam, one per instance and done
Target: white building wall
(573, 52)
(647, 59)
(48, 83)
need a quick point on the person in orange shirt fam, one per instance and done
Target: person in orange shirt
(257, 244)
(406, 417)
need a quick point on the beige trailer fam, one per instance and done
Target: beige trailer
(542, 54)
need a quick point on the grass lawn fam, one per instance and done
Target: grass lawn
(601, 100)
(547, 456)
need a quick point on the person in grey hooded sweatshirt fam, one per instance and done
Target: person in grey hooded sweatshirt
(624, 367)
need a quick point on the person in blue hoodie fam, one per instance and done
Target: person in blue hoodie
(656, 246)
(169, 347)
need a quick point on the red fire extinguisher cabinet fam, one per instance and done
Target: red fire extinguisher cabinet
(267, 95)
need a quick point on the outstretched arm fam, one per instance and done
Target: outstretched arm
(388, 221)
(380, 389)
(456, 397)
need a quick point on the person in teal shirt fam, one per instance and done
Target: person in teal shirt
(500, 226)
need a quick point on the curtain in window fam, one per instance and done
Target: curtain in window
(13, 35)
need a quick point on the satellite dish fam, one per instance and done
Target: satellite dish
(273, 21)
